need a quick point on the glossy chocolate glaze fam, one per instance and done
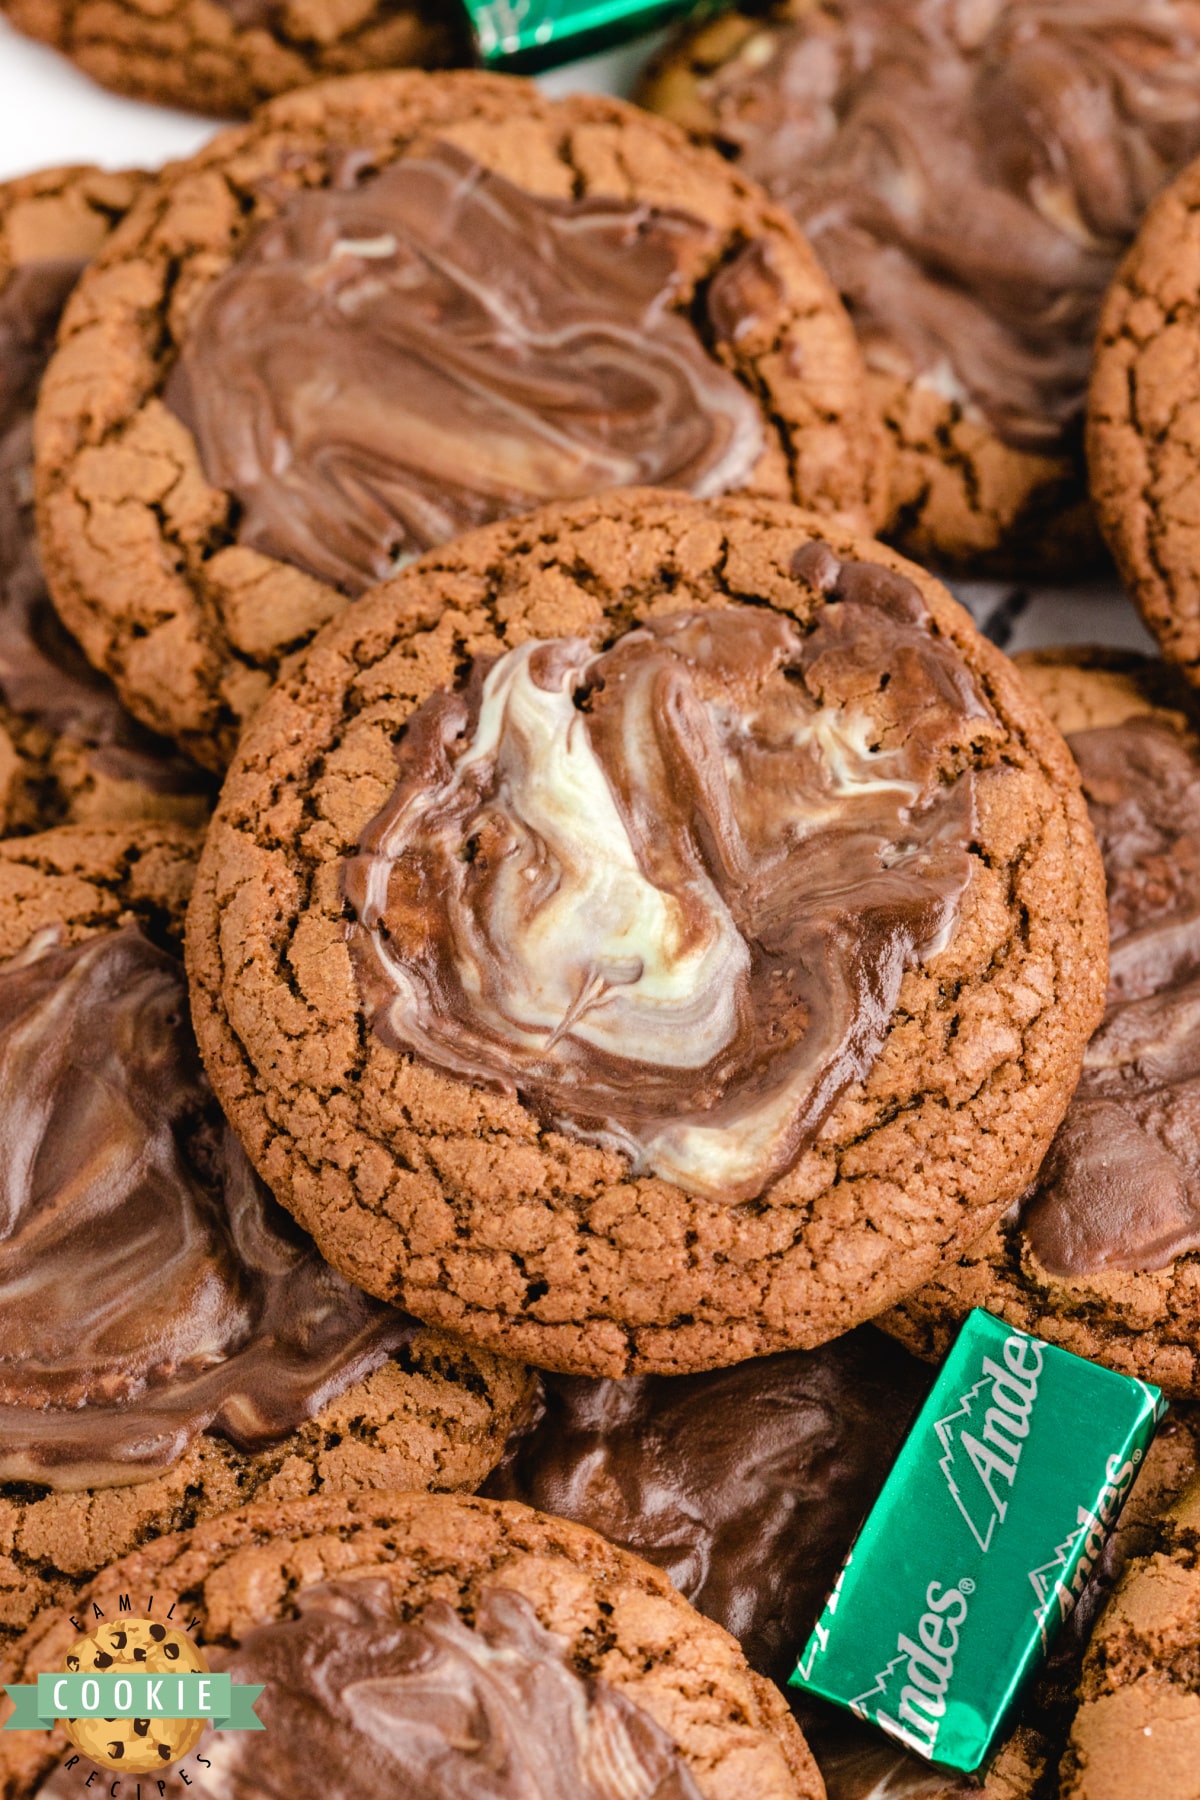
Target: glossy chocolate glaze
(1120, 1188)
(150, 1287)
(362, 1703)
(970, 175)
(418, 350)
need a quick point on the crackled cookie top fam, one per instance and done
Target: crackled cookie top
(668, 891)
(225, 59)
(615, 921)
(80, 753)
(415, 350)
(969, 175)
(150, 1289)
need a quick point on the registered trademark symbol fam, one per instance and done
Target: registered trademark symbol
(966, 1585)
(1137, 1456)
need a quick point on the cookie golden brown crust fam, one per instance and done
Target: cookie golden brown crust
(62, 212)
(228, 56)
(436, 1414)
(1141, 420)
(141, 551)
(451, 1199)
(619, 1619)
(95, 878)
(1144, 1323)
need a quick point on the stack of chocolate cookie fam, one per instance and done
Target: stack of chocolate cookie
(641, 938)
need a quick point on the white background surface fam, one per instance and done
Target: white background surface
(51, 114)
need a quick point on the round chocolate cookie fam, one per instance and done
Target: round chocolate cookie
(648, 934)
(395, 307)
(1144, 394)
(747, 1486)
(410, 1645)
(1136, 1735)
(69, 752)
(969, 176)
(1102, 1255)
(227, 56)
(170, 1345)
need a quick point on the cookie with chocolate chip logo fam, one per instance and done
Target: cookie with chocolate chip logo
(142, 1646)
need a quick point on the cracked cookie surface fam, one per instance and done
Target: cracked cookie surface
(1101, 1257)
(227, 56)
(69, 752)
(164, 576)
(1142, 409)
(649, 1676)
(432, 1413)
(969, 176)
(456, 1199)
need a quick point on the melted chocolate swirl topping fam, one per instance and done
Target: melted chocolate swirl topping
(150, 1287)
(668, 892)
(361, 1705)
(389, 363)
(970, 175)
(1120, 1188)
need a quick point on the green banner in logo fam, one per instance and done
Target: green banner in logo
(134, 1695)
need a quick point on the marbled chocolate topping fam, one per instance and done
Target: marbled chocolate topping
(150, 1287)
(667, 892)
(392, 360)
(970, 174)
(43, 674)
(360, 1704)
(1120, 1188)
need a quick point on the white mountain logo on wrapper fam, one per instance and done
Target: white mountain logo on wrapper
(926, 1669)
(982, 1439)
(1059, 1582)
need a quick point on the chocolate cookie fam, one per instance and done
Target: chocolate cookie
(1144, 393)
(413, 1645)
(648, 934)
(69, 752)
(747, 1486)
(227, 56)
(1103, 1253)
(1136, 1735)
(969, 175)
(393, 308)
(170, 1345)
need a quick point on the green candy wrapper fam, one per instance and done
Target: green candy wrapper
(532, 34)
(981, 1542)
